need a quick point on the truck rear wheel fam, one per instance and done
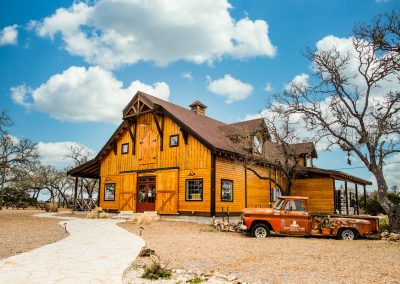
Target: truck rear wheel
(347, 234)
(260, 231)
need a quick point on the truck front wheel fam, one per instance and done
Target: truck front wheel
(347, 234)
(260, 231)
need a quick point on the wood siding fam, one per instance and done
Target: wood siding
(319, 190)
(258, 190)
(190, 161)
(230, 170)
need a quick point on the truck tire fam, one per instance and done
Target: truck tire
(347, 234)
(260, 231)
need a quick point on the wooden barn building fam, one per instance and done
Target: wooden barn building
(174, 160)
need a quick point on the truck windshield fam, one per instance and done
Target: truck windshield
(278, 203)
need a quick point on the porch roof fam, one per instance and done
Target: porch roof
(90, 169)
(338, 175)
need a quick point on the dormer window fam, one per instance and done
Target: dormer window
(257, 144)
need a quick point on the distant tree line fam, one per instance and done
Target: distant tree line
(24, 178)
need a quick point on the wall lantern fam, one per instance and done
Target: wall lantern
(191, 173)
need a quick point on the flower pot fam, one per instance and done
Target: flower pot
(326, 231)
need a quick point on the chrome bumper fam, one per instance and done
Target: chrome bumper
(243, 227)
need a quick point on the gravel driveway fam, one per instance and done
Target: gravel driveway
(273, 260)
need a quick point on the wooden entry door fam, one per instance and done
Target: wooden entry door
(146, 194)
(167, 192)
(128, 193)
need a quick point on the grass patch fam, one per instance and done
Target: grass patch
(156, 271)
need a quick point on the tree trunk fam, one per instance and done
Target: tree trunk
(392, 210)
(394, 218)
(288, 186)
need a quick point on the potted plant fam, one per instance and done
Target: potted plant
(326, 225)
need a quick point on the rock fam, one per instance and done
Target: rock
(231, 277)
(384, 234)
(179, 271)
(394, 237)
(104, 215)
(146, 252)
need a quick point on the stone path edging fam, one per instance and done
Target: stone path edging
(97, 251)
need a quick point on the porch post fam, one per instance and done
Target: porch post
(75, 192)
(245, 186)
(365, 199)
(334, 196)
(358, 210)
(98, 194)
(347, 197)
(271, 194)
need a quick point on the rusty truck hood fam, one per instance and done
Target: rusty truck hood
(258, 211)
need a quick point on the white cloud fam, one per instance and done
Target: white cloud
(19, 94)
(229, 87)
(55, 153)
(9, 35)
(112, 33)
(268, 87)
(187, 75)
(299, 81)
(80, 94)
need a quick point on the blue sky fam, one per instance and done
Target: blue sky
(67, 68)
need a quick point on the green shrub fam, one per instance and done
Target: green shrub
(383, 222)
(196, 280)
(155, 271)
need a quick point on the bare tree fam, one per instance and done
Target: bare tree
(354, 100)
(80, 155)
(17, 156)
(286, 150)
(277, 147)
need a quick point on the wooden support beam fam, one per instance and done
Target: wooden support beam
(133, 136)
(75, 192)
(358, 211)
(185, 136)
(365, 199)
(347, 197)
(334, 196)
(271, 197)
(213, 191)
(245, 186)
(115, 145)
(98, 194)
(160, 130)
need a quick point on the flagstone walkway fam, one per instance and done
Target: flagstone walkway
(97, 251)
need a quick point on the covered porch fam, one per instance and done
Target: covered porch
(87, 179)
(348, 191)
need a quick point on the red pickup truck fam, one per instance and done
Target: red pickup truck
(290, 216)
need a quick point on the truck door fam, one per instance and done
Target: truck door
(294, 218)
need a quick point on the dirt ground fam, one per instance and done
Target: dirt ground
(21, 232)
(200, 248)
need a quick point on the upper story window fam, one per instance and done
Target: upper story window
(174, 140)
(125, 148)
(257, 144)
